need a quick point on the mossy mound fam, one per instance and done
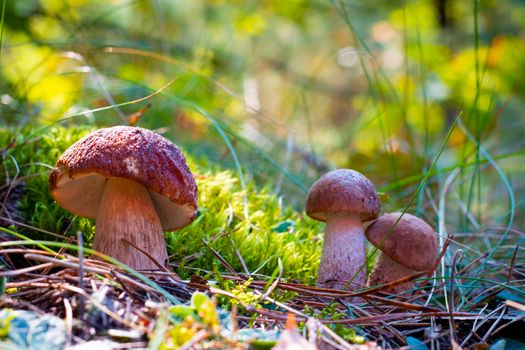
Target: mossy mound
(247, 228)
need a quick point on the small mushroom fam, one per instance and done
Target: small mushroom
(411, 246)
(343, 198)
(135, 183)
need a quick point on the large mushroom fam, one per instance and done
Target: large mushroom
(135, 183)
(407, 248)
(343, 198)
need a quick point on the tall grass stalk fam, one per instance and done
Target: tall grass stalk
(373, 81)
(422, 184)
(475, 181)
(2, 29)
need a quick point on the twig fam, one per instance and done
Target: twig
(515, 305)
(8, 192)
(81, 305)
(275, 283)
(401, 304)
(21, 224)
(103, 308)
(514, 320)
(512, 262)
(481, 323)
(25, 270)
(442, 227)
(238, 253)
(474, 327)
(453, 328)
(69, 322)
(491, 329)
(387, 326)
(92, 269)
(199, 336)
(221, 259)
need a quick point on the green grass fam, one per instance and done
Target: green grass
(28, 159)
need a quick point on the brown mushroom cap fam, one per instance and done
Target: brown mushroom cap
(343, 191)
(411, 243)
(79, 177)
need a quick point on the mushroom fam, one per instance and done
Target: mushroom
(135, 183)
(411, 246)
(343, 198)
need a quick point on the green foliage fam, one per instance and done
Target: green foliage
(184, 322)
(189, 319)
(245, 295)
(200, 308)
(28, 156)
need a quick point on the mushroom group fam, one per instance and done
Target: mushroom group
(135, 183)
(345, 199)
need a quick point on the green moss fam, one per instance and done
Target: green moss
(5, 323)
(29, 156)
(222, 226)
(252, 221)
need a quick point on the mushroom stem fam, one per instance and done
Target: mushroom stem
(344, 253)
(387, 270)
(126, 212)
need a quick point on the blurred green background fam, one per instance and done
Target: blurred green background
(283, 91)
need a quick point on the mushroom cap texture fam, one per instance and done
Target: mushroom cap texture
(343, 192)
(411, 243)
(79, 177)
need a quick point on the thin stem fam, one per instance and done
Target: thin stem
(344, 253)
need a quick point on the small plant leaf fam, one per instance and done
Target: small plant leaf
(205, 310)
(416, 344)
(27, 330)
(285, 226)
(507, 344)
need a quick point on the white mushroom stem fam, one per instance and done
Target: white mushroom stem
(387, 270)
(126, 212)
(344, 254)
